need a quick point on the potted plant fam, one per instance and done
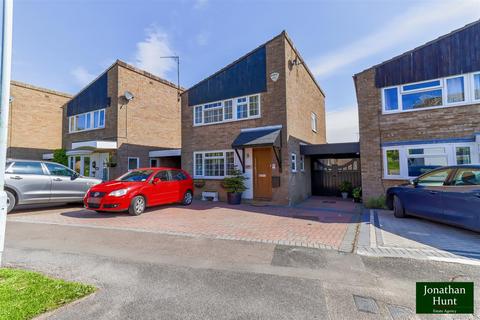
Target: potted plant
(199, 183)
(235, 185)
(345, 188)
(357, 194)
(111, 163)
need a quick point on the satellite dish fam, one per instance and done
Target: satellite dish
(128, 95)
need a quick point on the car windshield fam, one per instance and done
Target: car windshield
(136, 176)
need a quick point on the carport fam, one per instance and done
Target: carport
(331, 164)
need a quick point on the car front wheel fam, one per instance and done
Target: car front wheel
(187, 198)
(11, 201)
(137, 206)
(398, 209)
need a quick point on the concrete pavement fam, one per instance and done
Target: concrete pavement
(142, 275)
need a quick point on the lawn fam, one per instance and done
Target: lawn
(26, 294)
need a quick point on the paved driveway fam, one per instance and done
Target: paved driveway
(381, 234)
(317, 223)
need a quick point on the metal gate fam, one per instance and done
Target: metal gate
(328, 174)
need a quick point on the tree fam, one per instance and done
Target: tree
(60, 156)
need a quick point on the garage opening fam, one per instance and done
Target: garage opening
(331, 165)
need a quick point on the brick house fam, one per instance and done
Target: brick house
(125, 119)
(35, 121)
(254, 115)
(420, 110)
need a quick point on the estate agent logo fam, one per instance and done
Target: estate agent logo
(445, 297)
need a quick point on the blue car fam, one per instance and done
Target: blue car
(449, 195)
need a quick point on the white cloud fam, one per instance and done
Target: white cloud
(82, 76)
(422, 21)
(202, 38)
(200, 4)
(342, 125)
(149, 53)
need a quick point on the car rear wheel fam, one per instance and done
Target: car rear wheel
(187, 198)
(11, 201)
(398, 209)
(137, 206)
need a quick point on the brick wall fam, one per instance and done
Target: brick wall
(35, 121)
(377, 128)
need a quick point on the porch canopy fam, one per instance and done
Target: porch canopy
(259, 137)
(94, 145)
(332, 150)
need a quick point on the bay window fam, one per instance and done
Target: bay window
(214, 164)
(239, 108)
(437, 93)
(87, 121)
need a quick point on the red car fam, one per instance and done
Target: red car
(141, 188)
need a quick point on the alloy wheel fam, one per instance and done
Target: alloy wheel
(139, 205)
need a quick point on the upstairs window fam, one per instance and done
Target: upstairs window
(87, 121)
(444, 92)
(228, 110)
(313, 118)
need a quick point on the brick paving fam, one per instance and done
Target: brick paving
(314, 224)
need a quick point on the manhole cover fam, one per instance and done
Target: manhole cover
(400, 312)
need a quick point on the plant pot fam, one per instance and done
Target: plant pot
(234, 197)
(344, 195)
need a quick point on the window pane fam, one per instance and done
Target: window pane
(77, 164)
(213, 115)
(455, 90)
(242, 108)
(435, 150)
(393, 162)
(102, 118)
(463, 155)
(228, 111)
(198, 114)
(214, 167)
(476, 86)
(467, 177)
(230, 162)
(314, 122)
(71, 124)
(422, 99)
(419, 166)
(434, 179)
(416, 86)
(58, 170)
(294, 162)
(391, 99)
(88, 119)
(26, 168)
(163, 175)
(132, 163)
(253, 106)
(86, 166)
(96, 118)
(80, 122)
(198, 164)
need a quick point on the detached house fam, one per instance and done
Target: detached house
(254, 115)
(35, 121)
(420, 110)
(125, 119)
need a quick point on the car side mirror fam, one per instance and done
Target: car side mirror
(414, 182)
(156, 181)
(74, 176)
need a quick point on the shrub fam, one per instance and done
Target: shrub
(235, 183)
(345, 186)
(357, 192)
(376, 203)
(60, 156)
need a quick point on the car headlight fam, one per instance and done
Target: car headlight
(118, 193)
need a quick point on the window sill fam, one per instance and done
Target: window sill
(87, 130)
(210, 178)
(226, 121)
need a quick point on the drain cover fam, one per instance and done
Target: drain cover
(365, 304)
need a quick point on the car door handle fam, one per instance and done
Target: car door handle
(57, 179)
(16, 178)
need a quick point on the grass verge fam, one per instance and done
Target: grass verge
(25, 294)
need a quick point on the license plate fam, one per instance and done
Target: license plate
(94, 200)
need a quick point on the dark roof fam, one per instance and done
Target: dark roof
(330, 148)
(258, 138)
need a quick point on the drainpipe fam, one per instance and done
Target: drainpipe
(4, 106)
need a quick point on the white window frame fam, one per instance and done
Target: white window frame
(72, 121)
(234, 110)
(450, 152)
(128, 163)
(224, 156)
(468, 81)
(313, 119)
(302, 163)
(293, 161)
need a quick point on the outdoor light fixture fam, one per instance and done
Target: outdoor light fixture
(129, 96)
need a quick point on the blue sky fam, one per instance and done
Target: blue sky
(63, 44)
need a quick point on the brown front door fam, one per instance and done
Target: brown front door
(262, 173)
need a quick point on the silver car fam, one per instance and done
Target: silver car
(36, 182)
